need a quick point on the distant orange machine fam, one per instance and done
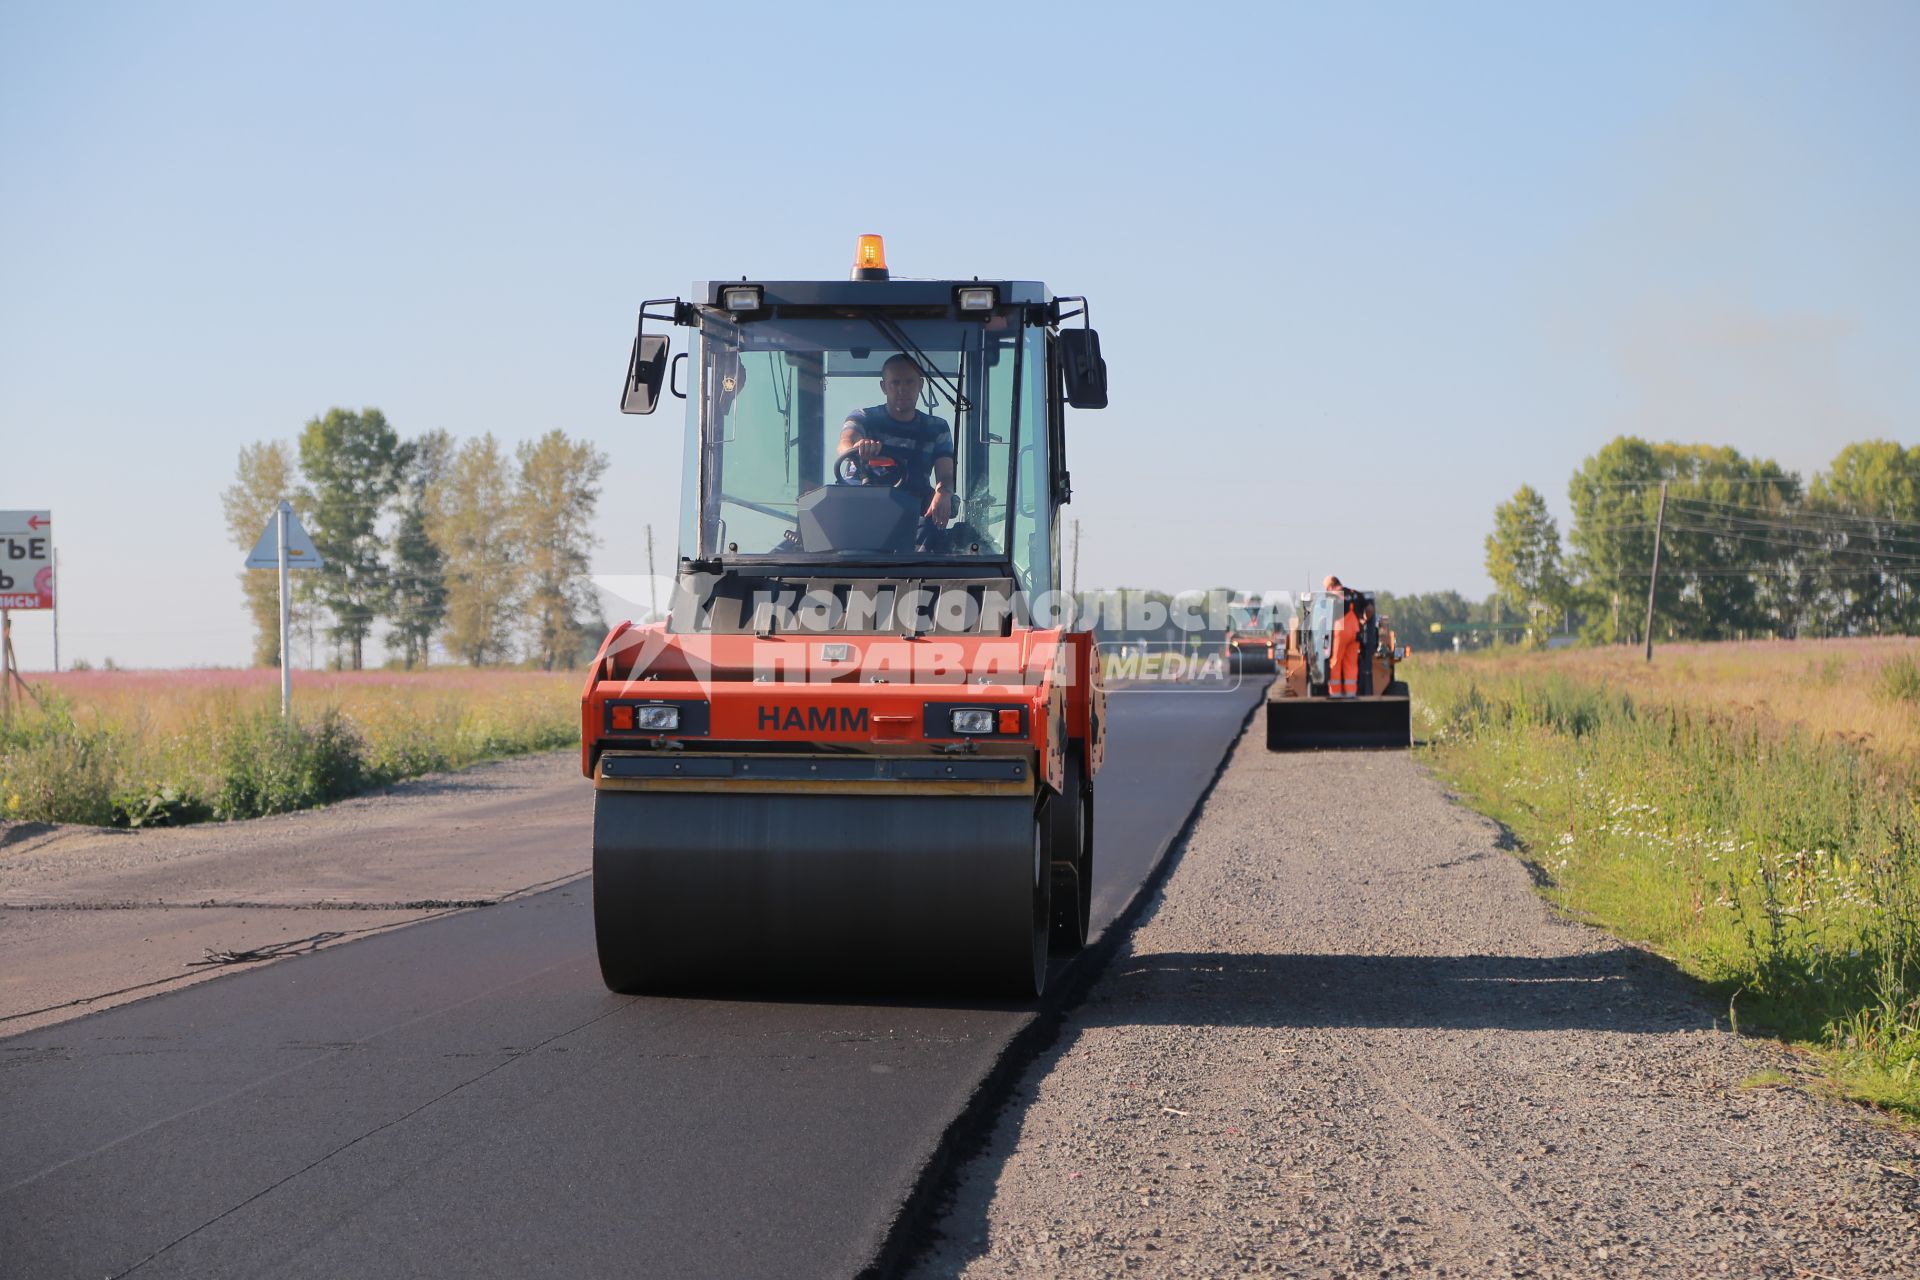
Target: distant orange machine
(1303, 711)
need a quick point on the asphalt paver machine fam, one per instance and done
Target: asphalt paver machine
(860, 749)
(1301, 715)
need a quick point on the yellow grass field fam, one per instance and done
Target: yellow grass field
(1833, 688)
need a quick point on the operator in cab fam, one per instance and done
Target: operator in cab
(902, 446)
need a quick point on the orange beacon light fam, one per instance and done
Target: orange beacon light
(869, 259)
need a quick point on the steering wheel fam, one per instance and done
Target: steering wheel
(851, 468)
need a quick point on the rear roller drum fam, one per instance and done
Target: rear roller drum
(1072, 859)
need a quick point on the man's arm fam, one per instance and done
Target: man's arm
(940, 510)
(852, 438)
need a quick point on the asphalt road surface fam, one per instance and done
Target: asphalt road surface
(463, 1096)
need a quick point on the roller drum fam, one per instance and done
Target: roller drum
(706, 891)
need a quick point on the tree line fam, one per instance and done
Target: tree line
(461, 542)
(1747, 548)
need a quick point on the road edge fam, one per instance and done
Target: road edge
(970, 1131)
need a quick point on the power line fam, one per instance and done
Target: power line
(1795, 512)
(1858, 553)
(1812, 513)
(1756, 570)
(1883, 560)
(1653, 486)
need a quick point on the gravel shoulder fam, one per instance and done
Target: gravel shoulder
(93, 917)
(1350, 1039)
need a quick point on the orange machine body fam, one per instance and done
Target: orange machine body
(870, 694)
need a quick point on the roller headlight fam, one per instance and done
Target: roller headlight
(973, 720)
(656, 719)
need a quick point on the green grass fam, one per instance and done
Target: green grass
(1780, 868)
(153, 756)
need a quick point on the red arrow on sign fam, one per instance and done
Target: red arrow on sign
(36, 522)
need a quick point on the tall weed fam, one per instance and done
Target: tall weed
(1899, 681)
(271, 765)
(55, 770)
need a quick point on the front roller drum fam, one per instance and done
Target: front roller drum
(1252, 664)
(707, 891)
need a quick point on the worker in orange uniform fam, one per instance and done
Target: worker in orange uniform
(1343, 666)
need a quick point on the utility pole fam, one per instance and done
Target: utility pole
(653, 588)
(1653, 583)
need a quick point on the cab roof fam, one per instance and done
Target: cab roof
(869, 293)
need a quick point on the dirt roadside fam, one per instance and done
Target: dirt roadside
(91, 918)
(1350, 1040)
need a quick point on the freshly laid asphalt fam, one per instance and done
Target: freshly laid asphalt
(465, 1097)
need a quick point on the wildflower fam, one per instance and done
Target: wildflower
(13, 803)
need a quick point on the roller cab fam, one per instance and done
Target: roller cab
(859, 752)
(1307, 707)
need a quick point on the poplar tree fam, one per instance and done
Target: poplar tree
(1864, 512)
(557, 489)
(264, 476)
(1523, 558)
(470, 518)
(418, 601)
(353, 463)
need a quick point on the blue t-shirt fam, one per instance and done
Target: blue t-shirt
(914, 445)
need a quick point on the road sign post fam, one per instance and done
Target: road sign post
(284, 545)
(286, 667)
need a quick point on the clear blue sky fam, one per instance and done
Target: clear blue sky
(1360, 271)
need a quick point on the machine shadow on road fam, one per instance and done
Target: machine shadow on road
(1618, 989)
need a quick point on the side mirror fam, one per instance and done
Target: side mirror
(646, 370)
(1081, 367)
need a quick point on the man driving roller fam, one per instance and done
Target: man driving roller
(897, 439)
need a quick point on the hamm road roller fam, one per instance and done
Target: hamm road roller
(1253, 627)
(860, 750)
(1329, 698)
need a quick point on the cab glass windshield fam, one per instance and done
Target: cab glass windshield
(862, 440)
(1248, 617)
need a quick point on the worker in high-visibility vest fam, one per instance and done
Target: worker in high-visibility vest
(1343, 667)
